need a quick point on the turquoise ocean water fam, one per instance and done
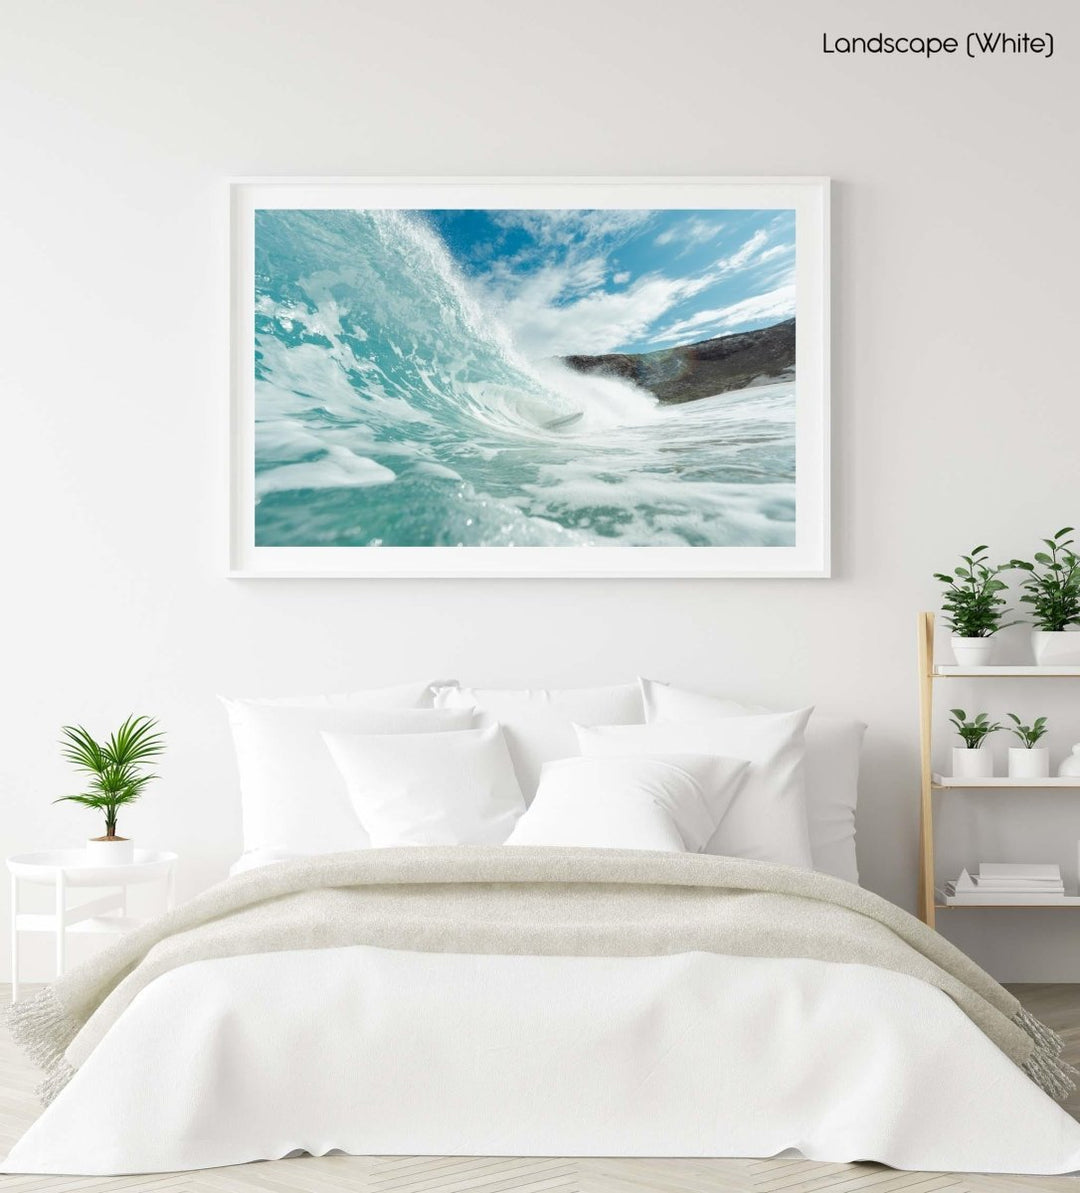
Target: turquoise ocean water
(393, 409)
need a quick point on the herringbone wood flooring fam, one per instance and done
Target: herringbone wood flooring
(1057, 1005)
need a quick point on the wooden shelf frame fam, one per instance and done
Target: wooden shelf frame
(929, 904)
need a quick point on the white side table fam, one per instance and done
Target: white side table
(64, 868)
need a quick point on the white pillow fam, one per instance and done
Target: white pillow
(833, 746)
(292, 796)
(254, 859)
(767, 818)
(539, 722)
(672, 803)
(402, 695)
(430, 789)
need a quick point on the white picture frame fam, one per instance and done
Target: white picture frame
(807, 197)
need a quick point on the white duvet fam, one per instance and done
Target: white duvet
(373, 1051)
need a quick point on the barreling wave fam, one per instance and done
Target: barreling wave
(393, 408)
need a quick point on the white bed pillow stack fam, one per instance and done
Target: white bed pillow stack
(293, 797)
(539, 722)
(422, 774)
(767, 818)
(833, 746)
(672, 803)
(430, 788)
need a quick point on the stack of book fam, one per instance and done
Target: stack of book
(1007, 882)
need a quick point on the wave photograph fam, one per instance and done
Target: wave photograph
(524, 378)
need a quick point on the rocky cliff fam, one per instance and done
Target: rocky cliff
(700, 370)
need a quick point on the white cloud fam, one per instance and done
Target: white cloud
(689, 232)
(777, 250)
(560, 305)
(743, 255)
(555, 227)
(596, 323)
(773, 306)
(558, 284)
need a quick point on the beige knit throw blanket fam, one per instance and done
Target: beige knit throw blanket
(541, 901)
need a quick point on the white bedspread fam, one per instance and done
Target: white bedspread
(382, 1052)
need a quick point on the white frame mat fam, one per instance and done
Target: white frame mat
(808, 197)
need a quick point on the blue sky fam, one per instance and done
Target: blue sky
(615, 280)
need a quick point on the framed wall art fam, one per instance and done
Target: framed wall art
(529, 377)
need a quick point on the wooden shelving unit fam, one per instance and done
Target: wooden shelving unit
(929, 673)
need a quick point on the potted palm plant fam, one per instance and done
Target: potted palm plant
(1052, 589)
(971, 761)
(1029, 760)
(973, 606)
(116, 778)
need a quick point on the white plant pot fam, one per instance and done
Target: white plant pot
(1056, 648)
(972, 764)
(1028, 764)
(118, 852)
(972, 652)
(1070, 765)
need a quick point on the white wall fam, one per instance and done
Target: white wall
(956, 409)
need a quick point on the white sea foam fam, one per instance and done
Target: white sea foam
(338, 469)
(283, 440)
(304, 377)
(405, 379)
(653, 510)
(604, 402)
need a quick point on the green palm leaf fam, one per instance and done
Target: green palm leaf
(80, 749)
(134, 742)
(89, 801)
(115, 767)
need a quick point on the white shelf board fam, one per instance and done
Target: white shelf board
(978, 901)
(1017, 672)
(1002, 781)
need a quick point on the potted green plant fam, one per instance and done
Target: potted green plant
(1029, 760)
(116, 778)
(1052, 589)
(973, 607)
(971, 761)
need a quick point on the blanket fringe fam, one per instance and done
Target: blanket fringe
(1044, 1066)
(42, 1030)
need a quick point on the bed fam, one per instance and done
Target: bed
(608, 967)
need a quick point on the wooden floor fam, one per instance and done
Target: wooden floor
(1058, 1006)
